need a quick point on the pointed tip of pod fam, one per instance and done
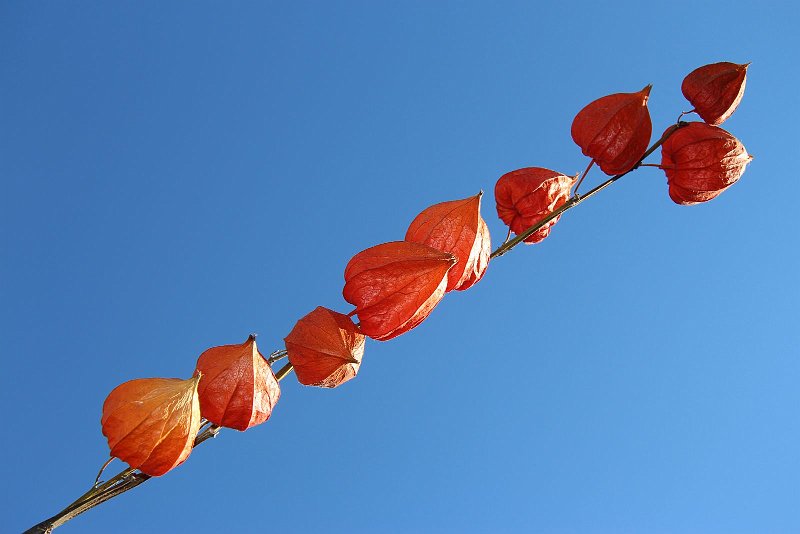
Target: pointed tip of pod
(646, 92)
(744, 66)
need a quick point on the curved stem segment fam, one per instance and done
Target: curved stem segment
(98, 494)
(577, 199)
(583, 176)
(128, 479)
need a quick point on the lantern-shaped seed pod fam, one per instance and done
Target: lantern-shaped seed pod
(238, 389)
(151, 423)
(715, 90)
(614, 130)
(701, 161)
(526, 196)
(395, 286)
(456, 227)
(325, 348)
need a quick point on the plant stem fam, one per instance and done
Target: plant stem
(120, 483)
(283, 371)
(208, 433)
(128, 478)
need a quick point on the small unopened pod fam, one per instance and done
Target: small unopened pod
(526, 196)
(325, 348)
(715, 90)
(701, 161)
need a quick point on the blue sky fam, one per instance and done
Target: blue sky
(176, 176)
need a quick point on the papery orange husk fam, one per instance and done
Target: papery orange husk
(715, 90)
(526, 196)
(325, 348)
(456, 227)
(395, 286)
(151, 423)
(614, 130)
(238, 389)
(701, 161)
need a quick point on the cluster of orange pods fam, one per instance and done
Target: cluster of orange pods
(152, 423)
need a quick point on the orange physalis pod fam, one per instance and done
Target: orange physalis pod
(526, 196)
(715, 90)
(701, 161)
(458, 228)
(325, 348)
(395, 286)
(238, 389)
(151, 423)
(614, 130)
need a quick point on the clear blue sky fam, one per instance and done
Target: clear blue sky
(174, 176)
